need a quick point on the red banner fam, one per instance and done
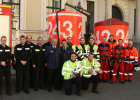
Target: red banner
(70, 24)
(112, 27)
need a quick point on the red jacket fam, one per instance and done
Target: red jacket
(105, 51)
(119, 53)
(131, 55)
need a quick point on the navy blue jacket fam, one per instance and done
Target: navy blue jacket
(52, 57)
(65, 55)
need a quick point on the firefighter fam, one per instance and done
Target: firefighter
(38, 63)
(50, 41)
(93, 48)
(5, 57)
(52, 56)
(131, 59)
(70, 77)
(23, 56)
(29, 42)
(112, 42)
(105, 53)
(65, 56)
(119, 55)
(88, 65)
(82, 49)
(69, 43)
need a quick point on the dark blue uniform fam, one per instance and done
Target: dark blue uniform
(65, 54)
(52, 56)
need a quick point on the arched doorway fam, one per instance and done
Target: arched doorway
(117, 13)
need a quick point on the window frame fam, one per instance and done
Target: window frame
(53, 7)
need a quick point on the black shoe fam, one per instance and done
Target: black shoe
(100, 81)
(36, 90)
(105, 81)
(43, 88)
(9, 93)
(123, 82)
(27, 91)
(17, 91)
(95, 91)
(129, 80)
(112, 82)
(50, 90)
(78, 94)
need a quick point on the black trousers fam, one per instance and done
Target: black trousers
(31, 78)
(39, 77)
(86, 81)
(68, 85)
(7, 72)
(22, 72)
(53, 75)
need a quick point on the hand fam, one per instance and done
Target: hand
(3, 63)
(34, 66)
(90, 70)
(73, 76)
(23, 62)
(136, 63)
(85, 57)
(45, 64)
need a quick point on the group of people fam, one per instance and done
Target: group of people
(43, 66)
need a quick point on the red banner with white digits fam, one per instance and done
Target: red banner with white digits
(69, 25)
(120, 31)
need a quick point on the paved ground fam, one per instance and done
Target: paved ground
(117, 91)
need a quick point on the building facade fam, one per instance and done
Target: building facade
(31, 15)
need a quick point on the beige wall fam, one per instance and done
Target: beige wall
(33, 15)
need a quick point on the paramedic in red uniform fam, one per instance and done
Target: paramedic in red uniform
(119, 55)
(131, 59)
(105, 53)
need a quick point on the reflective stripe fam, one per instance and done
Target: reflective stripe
(63, 73)
(129, 61)
(105, 71)
(84, 62)
(111, 70)
(130, 73)
(125, 74)
(77, 52)
(114, 74)
(82, 57)
(136, 57)
(86, 75)
(131, 56)
(87, 67)
(120, 73)
(67, 64)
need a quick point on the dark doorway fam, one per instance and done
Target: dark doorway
(116, 13)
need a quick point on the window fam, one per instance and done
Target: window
(15, 9)
(52, 6)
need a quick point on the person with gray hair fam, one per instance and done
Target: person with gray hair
(38, 64)
(131, 59)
